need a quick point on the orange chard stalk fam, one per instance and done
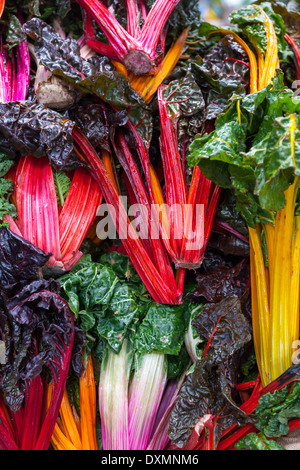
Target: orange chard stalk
(147, 86)
(72, 432)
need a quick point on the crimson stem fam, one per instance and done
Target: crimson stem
(137, 48)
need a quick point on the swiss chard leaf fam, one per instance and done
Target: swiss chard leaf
(111, 304)
(20, 261)
(13, 31)
(222, 282)
(96, 76)
(60, 56)
(275, 409)
(62, 185)
(36, 326)
(222, 73)
(162, 329)
(253, 441)
(31, 129)
(207, 388)
(185, 106)
(6, 207)
(105, 299)
(252, 152)
(251, 24)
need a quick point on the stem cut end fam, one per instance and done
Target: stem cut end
(138, 62)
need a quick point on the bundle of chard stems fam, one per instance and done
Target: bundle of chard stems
(164, 261)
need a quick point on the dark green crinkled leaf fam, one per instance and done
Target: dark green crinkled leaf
(111, 304)
(185, 107)
(251, 24)
(122, 266)
(5, 164)
(258, 169)
(274, 410)
(183, 97)
(216, 152)
(95, 76)
(61, 56)
(222, 73)
(162, 329)
(107, 301)
(207, 389)
(31, 129)
(185, 15)
(114, 88)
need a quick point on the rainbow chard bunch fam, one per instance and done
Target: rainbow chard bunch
(140, 345)
(99, 79)
(38, 337)
(268, 194)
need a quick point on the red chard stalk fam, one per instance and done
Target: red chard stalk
(157, 278)
(296, 51)
(42, 220)
(38, 331)
(136, 47)
(185, 214)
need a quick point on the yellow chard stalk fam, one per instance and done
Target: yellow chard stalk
(274, 288)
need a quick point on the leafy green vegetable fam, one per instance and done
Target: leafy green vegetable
(62, 185)
(27, 128)
(258, 169)
(275, 409)
(272, 415)
(251, 24)
(162, 329)
(96, 76)
(5, 164)
(14, 32)
(207, 388)
(6, 207)
(222, 73)
(111, 304)
(253, 441)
